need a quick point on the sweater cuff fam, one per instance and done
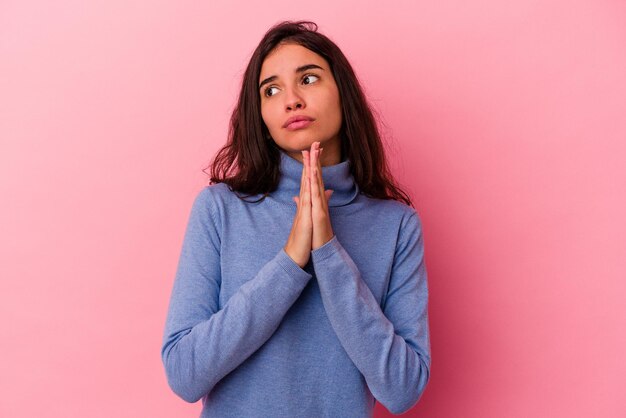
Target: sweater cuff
(326, 250)
(291, 267)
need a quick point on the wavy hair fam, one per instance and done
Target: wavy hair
(249, 162)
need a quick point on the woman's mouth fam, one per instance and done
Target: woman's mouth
(298, 125)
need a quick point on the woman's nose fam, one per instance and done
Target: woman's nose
(293, 100)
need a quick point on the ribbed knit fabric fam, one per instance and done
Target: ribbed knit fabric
(252, 334)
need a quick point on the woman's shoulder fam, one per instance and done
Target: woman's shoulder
(392, 207)
(215, 191)
(212, 197)
(208, 194)
(221, 198)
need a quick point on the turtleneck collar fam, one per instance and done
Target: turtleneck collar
(336, 177)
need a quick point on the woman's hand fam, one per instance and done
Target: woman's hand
(311, 226)
(322, 229)
(298, 245)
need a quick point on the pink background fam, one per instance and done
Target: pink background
(506, 122)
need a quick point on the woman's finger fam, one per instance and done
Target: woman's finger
(315, 197)
(321, 181)
(306, 193)
(303, 179)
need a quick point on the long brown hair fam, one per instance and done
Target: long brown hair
(254, 156)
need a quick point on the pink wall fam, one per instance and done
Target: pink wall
(508, 122)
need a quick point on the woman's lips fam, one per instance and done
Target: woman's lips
(298, 125)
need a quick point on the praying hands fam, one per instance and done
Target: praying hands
(311, 227)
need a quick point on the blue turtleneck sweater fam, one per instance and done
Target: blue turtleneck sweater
(254, 335)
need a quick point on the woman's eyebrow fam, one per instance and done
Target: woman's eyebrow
(298, 70)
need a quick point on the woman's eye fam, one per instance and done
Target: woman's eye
(309, 75)
(267, 90)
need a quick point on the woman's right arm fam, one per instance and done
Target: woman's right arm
(202, 344)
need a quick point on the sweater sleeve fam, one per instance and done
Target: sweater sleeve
(389, 346)
(201, 343)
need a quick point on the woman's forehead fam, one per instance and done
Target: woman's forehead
(288, 58)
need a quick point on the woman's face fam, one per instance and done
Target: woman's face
(300, 83)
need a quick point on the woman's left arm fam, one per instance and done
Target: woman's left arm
(389, 346)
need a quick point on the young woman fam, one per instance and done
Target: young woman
(301, 289)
